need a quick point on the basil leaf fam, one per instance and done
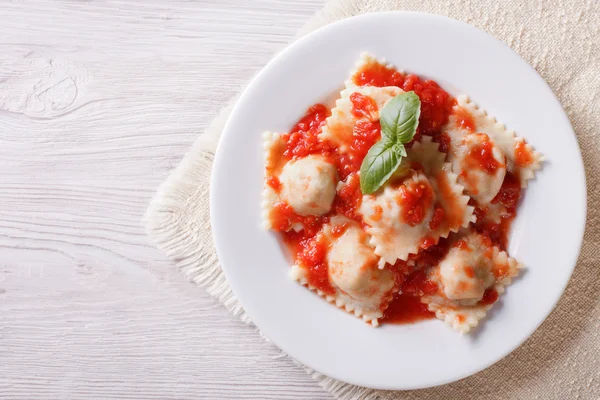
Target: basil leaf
(379, 164)
(400, 117)
(399, 149)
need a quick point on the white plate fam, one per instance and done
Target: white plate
(546, 236)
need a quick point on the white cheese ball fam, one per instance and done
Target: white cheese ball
(308, 185)
(466, 273)
(353, 266)
(480, 184)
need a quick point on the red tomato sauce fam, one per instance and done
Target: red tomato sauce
(363, 106)
(443, 139)
(469, 271)
(454, 216)
(416, 200)
(438, 216)
(364, 135)
(436, 103)
(509, 195)
(430, 256)
(523, 156)
(348, 199)
(283, 218)
(417, 284)
(464, 120)
(273, 181)
(489, 297)
(302, 139)
(481, 156)
(406, 309)
(462, 245)
(310, 253)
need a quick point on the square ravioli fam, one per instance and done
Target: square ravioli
(345, 273)
(422, 203)
(422, 231)
(469, 280)
(486, 156)
(298, 186)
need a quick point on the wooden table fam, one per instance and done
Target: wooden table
(99, 100)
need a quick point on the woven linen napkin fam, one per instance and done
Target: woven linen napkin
(561, 40)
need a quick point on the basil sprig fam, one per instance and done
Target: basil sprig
(399, 120)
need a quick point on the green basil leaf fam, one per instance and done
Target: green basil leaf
(400, 117)
(400, 149)
(379, 164)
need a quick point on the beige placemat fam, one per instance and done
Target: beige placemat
(561, 39)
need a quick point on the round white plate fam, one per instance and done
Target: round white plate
(546, 236)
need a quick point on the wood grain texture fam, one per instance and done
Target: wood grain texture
(99, 100)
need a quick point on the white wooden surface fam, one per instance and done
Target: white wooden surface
(98, 101)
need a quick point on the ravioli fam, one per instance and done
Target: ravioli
(472, 273)
(467, 118)
(294, 187)
(481, 165)
(308, 185)
(357, 285)
(484, 153)
(421, 204)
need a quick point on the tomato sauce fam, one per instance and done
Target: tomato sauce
(416, 199)
(406, 309)
(436, 103)
(481, 156)
(364, 135)
(302, 139)
(462, 245)
(455, 215)
(310, 252)
(348, 199)
(523, 156)
(509, 195)
(274, 183)
(427, 242)
(469, 271)
(510, 192)
(363, 106)
(377, 213)
(283, 218)
(339, 230)
(489, 297)
(443, 139)
(438, 216)
(417, 284)
(464, 120)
